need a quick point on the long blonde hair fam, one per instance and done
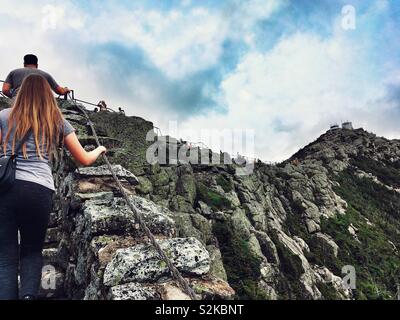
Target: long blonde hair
(36, 108)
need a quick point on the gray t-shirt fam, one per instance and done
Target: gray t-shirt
(16, 77)
(32, 169)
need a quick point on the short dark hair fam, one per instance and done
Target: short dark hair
(30, 59)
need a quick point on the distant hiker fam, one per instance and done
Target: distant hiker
(295, 162)
(14, 79)
(96, 110)
(102, 106)
(121, 110)
(26, 205)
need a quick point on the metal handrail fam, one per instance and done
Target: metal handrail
(157, 129)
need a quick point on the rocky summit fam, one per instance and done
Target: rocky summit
(324, 224)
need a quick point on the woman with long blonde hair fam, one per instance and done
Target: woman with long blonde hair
(26, 206)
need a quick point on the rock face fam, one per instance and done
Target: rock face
(287, 231)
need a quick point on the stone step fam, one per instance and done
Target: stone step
(52, 236)
(205, 289)
(103, 171)
(53, 220)
(50, 256)
(75, 118)
(133, 291)
(141, 262)
(104, 216)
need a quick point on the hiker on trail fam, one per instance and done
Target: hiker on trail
(14, 79)
(25, 206)
(121, 111)
(102, 106)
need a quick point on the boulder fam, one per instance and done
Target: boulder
(141, 263)
(325, 244)
(103, 216)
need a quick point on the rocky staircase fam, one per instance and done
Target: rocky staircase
(95, 248)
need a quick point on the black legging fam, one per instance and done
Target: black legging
(25, 208)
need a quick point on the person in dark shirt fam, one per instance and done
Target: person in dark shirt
(14, 79)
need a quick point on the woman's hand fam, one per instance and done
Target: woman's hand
(93, 155)
(102, 149)
(79, 153)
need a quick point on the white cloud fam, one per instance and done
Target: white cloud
(181, 42)
(292, 94)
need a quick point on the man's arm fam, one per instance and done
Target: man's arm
(61, 90)
(7, 89)
(54, 85)
(8, 84)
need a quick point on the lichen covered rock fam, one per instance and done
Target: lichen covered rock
(141, 263)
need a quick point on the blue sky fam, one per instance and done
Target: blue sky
(286, 69)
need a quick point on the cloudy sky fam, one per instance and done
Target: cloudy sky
(286, 69)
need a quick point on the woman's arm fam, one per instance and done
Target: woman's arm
(81, 155)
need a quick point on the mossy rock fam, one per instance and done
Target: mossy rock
(185, 227)
(290, 263)
(328, 291)
(217, 268)
(145, 186)
(213, 199)
(203, 225)
(180, 204)
(186, 187)
(131, 130)
(160, 179)
(225, 183)
(241, 265)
